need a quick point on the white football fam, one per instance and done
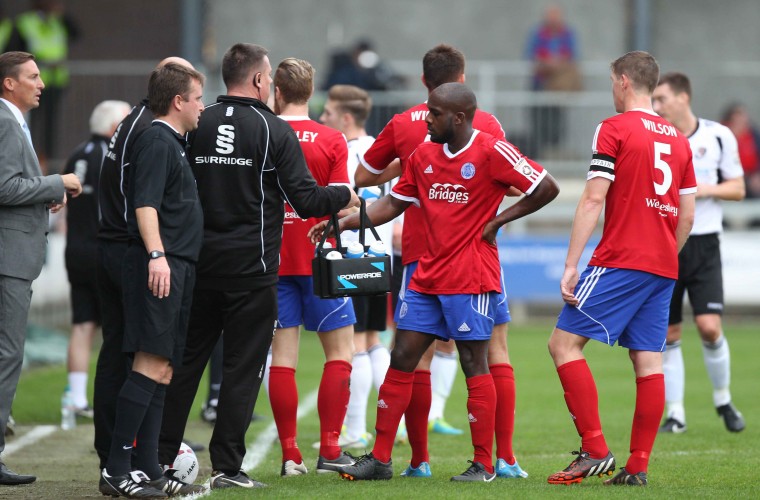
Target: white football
(185, 465)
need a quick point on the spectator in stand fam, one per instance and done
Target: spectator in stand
(736, 118)
(551, 47)
(361, 66)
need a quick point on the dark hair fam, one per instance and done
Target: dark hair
(640, 67)
(239, 61)
(352, 100)
(167, 82)
(442, 64)
(678, 82)
(294, 78)
(10, 62)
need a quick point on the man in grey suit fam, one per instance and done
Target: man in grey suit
(25, 198)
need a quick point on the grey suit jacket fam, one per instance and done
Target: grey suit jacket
(24, 197)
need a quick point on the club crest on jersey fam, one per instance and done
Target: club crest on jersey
(468, 171)
(701, 152)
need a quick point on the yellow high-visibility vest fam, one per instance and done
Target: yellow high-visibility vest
(46, 38)
(6, 26)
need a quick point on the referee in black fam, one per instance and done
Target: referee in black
(165, 226)
(247, 163)
(113, 239)
(82, 246)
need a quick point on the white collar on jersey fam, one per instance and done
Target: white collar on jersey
(647, 111)
(293, 118)
(454, 155)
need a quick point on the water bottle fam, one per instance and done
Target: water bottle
(326, 245)
(355, 250)
(333, 255)
(377, 249)
(68, 412)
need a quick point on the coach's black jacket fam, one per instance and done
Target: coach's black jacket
(247, 163)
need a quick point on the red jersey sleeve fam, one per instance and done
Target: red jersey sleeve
(689, 179)
(605, 147)
(406, 188)
(339, 164)
(512, 168)
(383, 150)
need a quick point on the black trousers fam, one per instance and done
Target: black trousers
(247, 319)
(113, 364)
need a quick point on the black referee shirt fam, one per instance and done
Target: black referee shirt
(114, 175)
(82, 211)
(160, 177)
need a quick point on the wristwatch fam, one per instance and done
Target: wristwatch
(155, 254)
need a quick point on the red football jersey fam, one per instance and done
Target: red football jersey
(457, 194)
(399, 139)
(326, 154)
(649, 162)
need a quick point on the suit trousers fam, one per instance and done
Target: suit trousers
(113, 364)
(247, 318)
(15, 299)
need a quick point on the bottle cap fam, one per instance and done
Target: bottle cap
(334, 255)
(377, 249)
(355, 250)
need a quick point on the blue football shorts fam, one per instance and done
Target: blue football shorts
(620, 305)
(501, 313)
(449, 317)
(297, 305)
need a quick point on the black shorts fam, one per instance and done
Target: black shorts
(85, 300)
(700, 274)
(371, 313)
(85, 303)
(153, 325)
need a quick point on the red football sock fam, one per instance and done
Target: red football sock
(504, 380)
(650, 403)
(332, 402)
(392, 401)
(481, 407)
(583, 402)
(284, 401)
(417, 417)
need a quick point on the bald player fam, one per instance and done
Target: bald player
(453, 292)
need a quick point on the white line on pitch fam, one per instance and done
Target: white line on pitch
(31, 437)
(258, 450)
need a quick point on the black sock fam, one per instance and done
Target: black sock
(134, 399)
(146, 459)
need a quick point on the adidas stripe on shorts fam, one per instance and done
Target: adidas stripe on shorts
(501, 312)
(457, 317)
(620, 305)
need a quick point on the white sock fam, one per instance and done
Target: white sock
(265, 380)
(380, 357)
(718, 363)
(78, 388)
(672, 367)
(443, 371)
(361, 384)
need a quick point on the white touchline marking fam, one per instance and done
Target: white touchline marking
(31, 437)
(257, 450)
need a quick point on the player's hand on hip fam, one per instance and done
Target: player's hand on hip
(159, 277)
(489, 232)
(567, 286)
